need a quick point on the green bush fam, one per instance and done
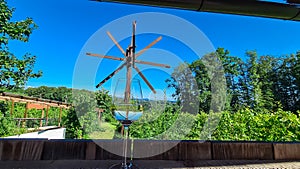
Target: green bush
(72, 125)
(8, 126)
(244, 125)
(256, 126)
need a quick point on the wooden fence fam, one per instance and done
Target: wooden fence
(40, 149)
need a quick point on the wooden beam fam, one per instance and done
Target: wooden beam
(7, 98)
(147, 47)
(24, 99)
(128, 85)
(104, 56)
(145, 79)
(12, 107)
(47, 112)
(42, 117)
(99, 111)
(60, 114)
(116, 43)
(111, 75)
(37, 106)
(152, 64)
(25, 115)
(29, 118)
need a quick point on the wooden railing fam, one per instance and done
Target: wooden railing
(25, 119)
(42, 121)
(17, 149)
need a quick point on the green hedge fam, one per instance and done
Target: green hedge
(258, 126)
(243, 125)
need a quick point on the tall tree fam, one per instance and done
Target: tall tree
(232, 72)
(186, 90)
(15, 72)
(296, 74)
(254, 82)
(243, 90)
(201, 84)
(286, 84)
(200, 72)
(267, 70)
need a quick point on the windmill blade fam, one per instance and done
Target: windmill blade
(111, 75)
(147, 47)
(144, 78)
(116, 43)
(105, 56)
(152, 64)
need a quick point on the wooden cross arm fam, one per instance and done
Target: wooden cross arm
(111, 75)
(146, 81)
(147, 47)
(152, 64)
(116, 43)
(105, 56)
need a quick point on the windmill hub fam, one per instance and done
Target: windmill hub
(130, 61)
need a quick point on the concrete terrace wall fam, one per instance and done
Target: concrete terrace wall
(42, 149)
(51, 133)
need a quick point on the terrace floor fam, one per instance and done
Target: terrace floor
(153, 164)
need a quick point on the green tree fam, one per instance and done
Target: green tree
(186, 90)
(266, 70)
(287, 82)
(72, 125)
(104, 102)
(232, 72)
(62, 94)
(7, 124)
(254, 82)
(296, 74)
(243, 89)
(203, 82)
(15, 72)
(44, 92)
(193, 82)
(90, 124)
(84, 101)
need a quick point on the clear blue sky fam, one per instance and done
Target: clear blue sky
(66, 25)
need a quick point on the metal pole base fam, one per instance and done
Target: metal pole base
(128, 165)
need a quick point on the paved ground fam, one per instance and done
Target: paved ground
(99, 164)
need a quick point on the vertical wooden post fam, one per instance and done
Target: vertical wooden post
(47, 111)
(25, 115)
(128, 82)
(60, 114)
(12, 107)
(42, 118)
(99, 115)
(130, 59)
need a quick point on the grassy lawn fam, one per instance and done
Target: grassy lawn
(107, 133)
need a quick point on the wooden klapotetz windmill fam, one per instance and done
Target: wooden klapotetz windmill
(130, 61)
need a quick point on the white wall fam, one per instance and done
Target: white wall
(57, 133)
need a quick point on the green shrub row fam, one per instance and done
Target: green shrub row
(245, 124)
